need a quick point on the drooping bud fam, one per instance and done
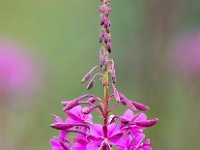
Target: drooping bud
(101, 35)
(106, 22)
(87, 76)
(109, 47)
(147, 123)
(108, 11)
(102, 20)
(107, 38)
(91, 100)
(90, 84)
(140, 106)
(125, 101)
(61, 126)
(70, 104)
(101, 9)
(92, 81)
(112, 72)
(116, 93)
(103, 80)
(87, 110)
(101, 57)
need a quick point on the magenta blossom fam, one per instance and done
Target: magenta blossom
(79, 131)
(16, 68)
(102, 136)
(186, 53)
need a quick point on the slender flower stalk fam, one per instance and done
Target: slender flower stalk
(127, 133)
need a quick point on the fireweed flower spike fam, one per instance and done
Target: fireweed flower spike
(79, 132)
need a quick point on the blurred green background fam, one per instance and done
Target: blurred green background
(62, 38)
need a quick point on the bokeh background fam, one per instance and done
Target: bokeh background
(46, 46)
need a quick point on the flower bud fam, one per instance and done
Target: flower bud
(90, 84)
(101, 35)
(112, 72)
(147, 123)
(116, 93)
(61, 126)
(106, 37)
(86, 77)
(87, 110)
(109, 47)
(125, 101)
(102, 20)
(108, 10)
(140, 106)
(101, 9)
(101, 57)
(106, 22)
(70, 104)
(91, 100)
(103, 80)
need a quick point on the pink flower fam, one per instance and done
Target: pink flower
(59, 145)
(186, 53)
(16, 68)
(104, 136)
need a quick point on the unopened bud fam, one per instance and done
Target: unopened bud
(101, 35)
(69, 105)
(102, 9)
(140, 106)
(113, 75)
(86, 77)
(112, 72)
(90, 84)
(125, 101)
(61, 126)
(108, 9)
(109, 47)
(116, 93)
(147, 123)
(87, 110)
(91, 100)
(103, 80)
(101, 57)
(102, 20)
(107, 38)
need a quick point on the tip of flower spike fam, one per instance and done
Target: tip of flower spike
(147, 123)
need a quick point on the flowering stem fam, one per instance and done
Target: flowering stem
(106, 98)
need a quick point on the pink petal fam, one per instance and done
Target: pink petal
(96, 130)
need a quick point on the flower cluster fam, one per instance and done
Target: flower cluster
(79, 132)
(124, 132)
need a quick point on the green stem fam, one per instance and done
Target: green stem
(106, 98)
